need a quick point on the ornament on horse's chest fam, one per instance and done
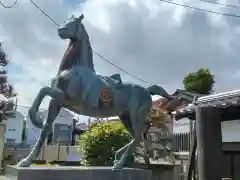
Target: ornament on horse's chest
(106, 96)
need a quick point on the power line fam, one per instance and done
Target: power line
(8, 6)
(200, 9)
(28, 107)
(44, 12)
(170, 2)
(222, 4)
(108, 61)
(24, 106)
(99, 55)
(176, 124)
(183, 5)
(121, 69)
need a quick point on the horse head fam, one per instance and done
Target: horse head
(73, 29)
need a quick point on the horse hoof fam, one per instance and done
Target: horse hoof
(23, 163)
(115, 161)
(117, 166)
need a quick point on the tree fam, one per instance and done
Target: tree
(201, 81)
(100, 143)
(8, 96)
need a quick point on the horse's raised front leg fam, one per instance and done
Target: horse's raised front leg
(45, 91)
(53, 110)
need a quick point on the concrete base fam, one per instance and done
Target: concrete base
(75, 173)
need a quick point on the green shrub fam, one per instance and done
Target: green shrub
(100, 143)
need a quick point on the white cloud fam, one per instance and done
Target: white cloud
(32, 45)
(154, 40)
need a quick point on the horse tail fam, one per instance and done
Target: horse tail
(158, 90)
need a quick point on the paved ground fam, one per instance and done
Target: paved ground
(3, 178)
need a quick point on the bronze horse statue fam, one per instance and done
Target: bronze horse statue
(78, 88)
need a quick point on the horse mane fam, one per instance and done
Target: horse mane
(67, 62)
(66, 58)
(90, 52)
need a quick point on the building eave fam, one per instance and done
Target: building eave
(227, 101)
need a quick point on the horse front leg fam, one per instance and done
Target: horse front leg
(45, 91)
(32, 112)
(53, 110)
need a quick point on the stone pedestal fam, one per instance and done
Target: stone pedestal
(75, 173)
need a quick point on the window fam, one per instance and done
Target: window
(10, 140)
(64, 128)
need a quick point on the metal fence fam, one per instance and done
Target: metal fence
(181, 142)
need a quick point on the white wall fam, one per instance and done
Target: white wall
(181, 125)
(230, 129)
(64, 117)
(14, 127)
(32, 133)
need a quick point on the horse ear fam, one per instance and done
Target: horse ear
(81, 17)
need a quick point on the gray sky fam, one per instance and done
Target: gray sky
(153, 40)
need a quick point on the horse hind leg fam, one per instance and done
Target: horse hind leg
(125, 119)
(53, 110)
(146, 145)
(145, 125)
(136, 131)
(138, 118)
(130, 147)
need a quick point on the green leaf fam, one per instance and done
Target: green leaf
(201, 81)
(101, 141)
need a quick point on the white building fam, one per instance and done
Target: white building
(226, 100)
(230, 129)
(13, 128)
(64, 117)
